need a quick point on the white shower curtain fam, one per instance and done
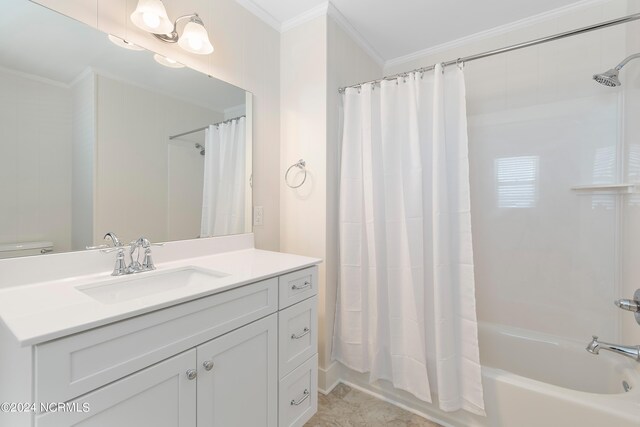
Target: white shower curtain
(223, 201)
(406, 300)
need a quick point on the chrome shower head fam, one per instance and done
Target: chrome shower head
(610, 78)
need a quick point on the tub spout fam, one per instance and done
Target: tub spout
(632, 352)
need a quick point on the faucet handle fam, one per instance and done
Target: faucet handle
(628, 304)
(120, 267)
(632, 305)
(109, 250)
(102, 246)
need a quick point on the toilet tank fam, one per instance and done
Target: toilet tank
(12, 250)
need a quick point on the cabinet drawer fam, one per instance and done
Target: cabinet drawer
(297, 286)
(71, 366)
(298, 394)
(298, 334)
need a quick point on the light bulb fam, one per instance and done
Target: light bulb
(151, 19)
(195, 43)
(195, 39)
(151, 16)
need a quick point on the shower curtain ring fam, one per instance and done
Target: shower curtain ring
(460, 64)
(300, 165)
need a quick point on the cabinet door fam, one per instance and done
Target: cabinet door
(160, 396)
(238, 377)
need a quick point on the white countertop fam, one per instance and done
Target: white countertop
(48, 310)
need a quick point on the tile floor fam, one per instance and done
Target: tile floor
(346, 407)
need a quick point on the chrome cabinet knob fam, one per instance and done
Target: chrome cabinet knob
(192, 374)
(208, 365)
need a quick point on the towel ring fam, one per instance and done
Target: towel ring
(300, 165)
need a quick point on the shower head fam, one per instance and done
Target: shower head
(610, 78)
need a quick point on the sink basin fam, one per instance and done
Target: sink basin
(151, 283)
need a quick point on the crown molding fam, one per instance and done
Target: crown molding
(324, 9)
(260, 13)
(309, 15)
(346, 26)
(496, 31)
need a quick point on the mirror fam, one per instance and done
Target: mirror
(98, 138)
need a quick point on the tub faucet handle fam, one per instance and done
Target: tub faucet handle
(632, 305)
(629, 305)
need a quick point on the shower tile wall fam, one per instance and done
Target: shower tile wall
(631, 213)
(549, 258)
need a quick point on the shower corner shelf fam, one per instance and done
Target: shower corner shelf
(598, 188)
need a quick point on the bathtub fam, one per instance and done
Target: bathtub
(537, 380)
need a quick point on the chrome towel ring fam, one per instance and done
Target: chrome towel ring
(300, 165)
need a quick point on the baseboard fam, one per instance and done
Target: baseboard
(329, 378)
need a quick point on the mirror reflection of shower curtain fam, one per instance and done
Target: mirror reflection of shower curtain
(223, 203)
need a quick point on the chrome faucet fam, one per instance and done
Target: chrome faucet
(121, 268)
(632, 352)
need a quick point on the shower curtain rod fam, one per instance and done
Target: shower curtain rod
(613, 22)
(201, 129)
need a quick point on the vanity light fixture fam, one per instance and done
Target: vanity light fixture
(151, 16)
(167, 62)
(123, 43)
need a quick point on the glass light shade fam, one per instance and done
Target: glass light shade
(167, 62)
(151, 16)
(123, 43)
(195, 39)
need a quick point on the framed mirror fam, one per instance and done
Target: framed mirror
(99, 136)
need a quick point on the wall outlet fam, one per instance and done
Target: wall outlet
(258, 216)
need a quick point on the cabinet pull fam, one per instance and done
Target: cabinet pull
(192, 374)
(302, 399)
(208, 365)
(307, 284)
(305, 331)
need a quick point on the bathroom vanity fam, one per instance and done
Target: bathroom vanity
(228, 339)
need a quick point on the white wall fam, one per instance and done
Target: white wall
(35, 160)
(247, 55)
(317, 58)
(303, 105)
(132, 172)
(83, 167)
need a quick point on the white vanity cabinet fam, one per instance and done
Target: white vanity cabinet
(243, 357)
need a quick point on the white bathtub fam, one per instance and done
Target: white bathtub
(537, 380)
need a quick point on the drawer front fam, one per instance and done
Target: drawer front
(298, 286)
(77, 364)
(298, 334)
(298, 394)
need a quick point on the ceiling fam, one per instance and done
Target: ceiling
(62, 49)
(395, 28)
